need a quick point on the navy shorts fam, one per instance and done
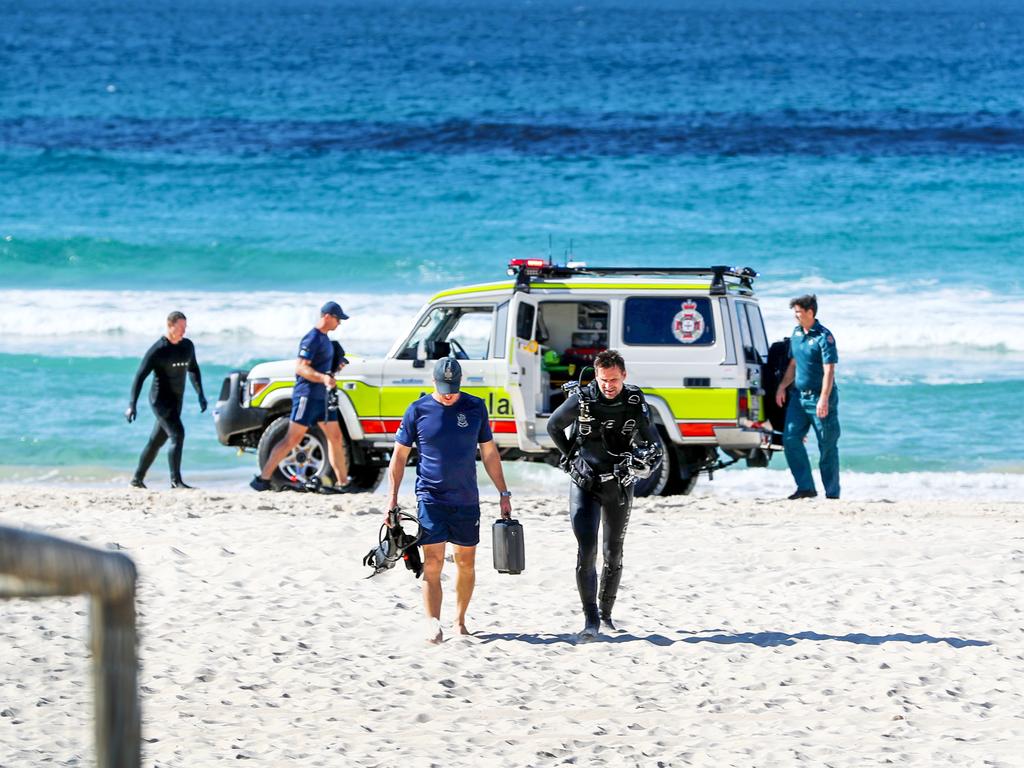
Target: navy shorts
(457, 523)
(308, 411)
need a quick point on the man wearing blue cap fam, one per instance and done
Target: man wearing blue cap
(314, 379)
(447, 426)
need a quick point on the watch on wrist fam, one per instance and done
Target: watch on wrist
(505, 494)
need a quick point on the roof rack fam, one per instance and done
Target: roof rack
(525, 270)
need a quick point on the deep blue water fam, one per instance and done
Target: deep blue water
(240, 160)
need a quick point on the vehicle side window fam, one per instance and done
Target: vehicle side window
(748, 345)
(463, 332)
(524, 321)
(757, 329)
(666, 321)
(500, 329)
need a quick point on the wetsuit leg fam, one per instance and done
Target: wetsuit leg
(585, 515)
(170, 420)
(156, 441)
(615, 507)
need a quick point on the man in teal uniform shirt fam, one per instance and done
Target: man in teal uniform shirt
(814, 400)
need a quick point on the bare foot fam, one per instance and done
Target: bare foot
(436, 639)
(460, 629)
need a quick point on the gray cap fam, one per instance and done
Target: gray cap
(447, 375)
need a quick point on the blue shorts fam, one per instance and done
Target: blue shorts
(457, 523)
(308, 411)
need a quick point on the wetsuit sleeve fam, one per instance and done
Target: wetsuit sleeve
(195, 374)
(563, 417)
(145, 368)
(406, 434)
(648, 432)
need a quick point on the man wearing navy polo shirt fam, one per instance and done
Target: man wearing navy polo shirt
(313, 380)
(813, 402)
(446, 426)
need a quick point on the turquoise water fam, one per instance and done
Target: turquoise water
(244, 163)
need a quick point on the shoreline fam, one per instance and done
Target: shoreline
(540, 481)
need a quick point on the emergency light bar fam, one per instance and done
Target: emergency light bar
(527, 269)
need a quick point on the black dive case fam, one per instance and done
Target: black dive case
(508, 546)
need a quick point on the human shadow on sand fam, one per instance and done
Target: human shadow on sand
(760, 639)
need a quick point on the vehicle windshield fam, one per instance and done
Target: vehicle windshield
(463, 332)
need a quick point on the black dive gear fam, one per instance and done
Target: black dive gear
(170, 364)
(612, 443)
(395, 544)
(308, 485)
(339, 359)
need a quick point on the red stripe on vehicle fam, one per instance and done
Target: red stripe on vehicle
(505, 427)
(380, 426)
(695, 429)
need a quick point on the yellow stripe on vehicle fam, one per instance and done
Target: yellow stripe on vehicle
(394, 400)
(707, 404)
(256, 401)
(471, 289)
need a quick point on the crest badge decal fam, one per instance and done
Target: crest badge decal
(688, 324)
(461, 420)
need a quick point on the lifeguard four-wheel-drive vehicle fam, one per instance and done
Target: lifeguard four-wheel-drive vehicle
(692, 338)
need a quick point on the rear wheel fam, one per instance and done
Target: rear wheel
(660, 481)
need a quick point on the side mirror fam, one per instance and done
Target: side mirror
(421, 354)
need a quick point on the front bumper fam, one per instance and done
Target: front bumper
(233, 420)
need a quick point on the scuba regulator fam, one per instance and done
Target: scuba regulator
(394, 544)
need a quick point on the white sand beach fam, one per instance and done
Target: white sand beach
(753, 633)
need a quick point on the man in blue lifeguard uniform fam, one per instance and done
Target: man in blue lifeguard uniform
(814, 400)
(447, 426)
(314, 380)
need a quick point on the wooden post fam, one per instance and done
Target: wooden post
(36, 565)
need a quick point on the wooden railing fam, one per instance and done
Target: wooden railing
(35, 565)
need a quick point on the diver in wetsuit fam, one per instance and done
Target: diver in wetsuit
(169, 359)
(612, 443)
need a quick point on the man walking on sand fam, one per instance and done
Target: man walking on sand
(447, 426)
(314, 379)
(170, 359)
(815, 400)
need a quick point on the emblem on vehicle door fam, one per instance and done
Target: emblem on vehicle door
(688, 324)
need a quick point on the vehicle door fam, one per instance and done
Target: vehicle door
(463, 330)
(523, 382)
(755, 354)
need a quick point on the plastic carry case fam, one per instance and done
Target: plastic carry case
(508, 546)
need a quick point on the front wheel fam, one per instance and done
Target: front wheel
(306, 461)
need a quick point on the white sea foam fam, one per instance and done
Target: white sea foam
(874, 486)
(229, 327)
(872, 320)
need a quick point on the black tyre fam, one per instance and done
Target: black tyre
(364, 478)
(308, 460)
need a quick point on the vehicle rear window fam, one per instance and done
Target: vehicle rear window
(678, 321)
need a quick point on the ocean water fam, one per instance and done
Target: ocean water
(245, 162)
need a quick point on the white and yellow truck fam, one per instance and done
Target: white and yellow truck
(692, 338)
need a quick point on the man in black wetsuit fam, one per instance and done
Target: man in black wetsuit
(169, 359)
(612, 442)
